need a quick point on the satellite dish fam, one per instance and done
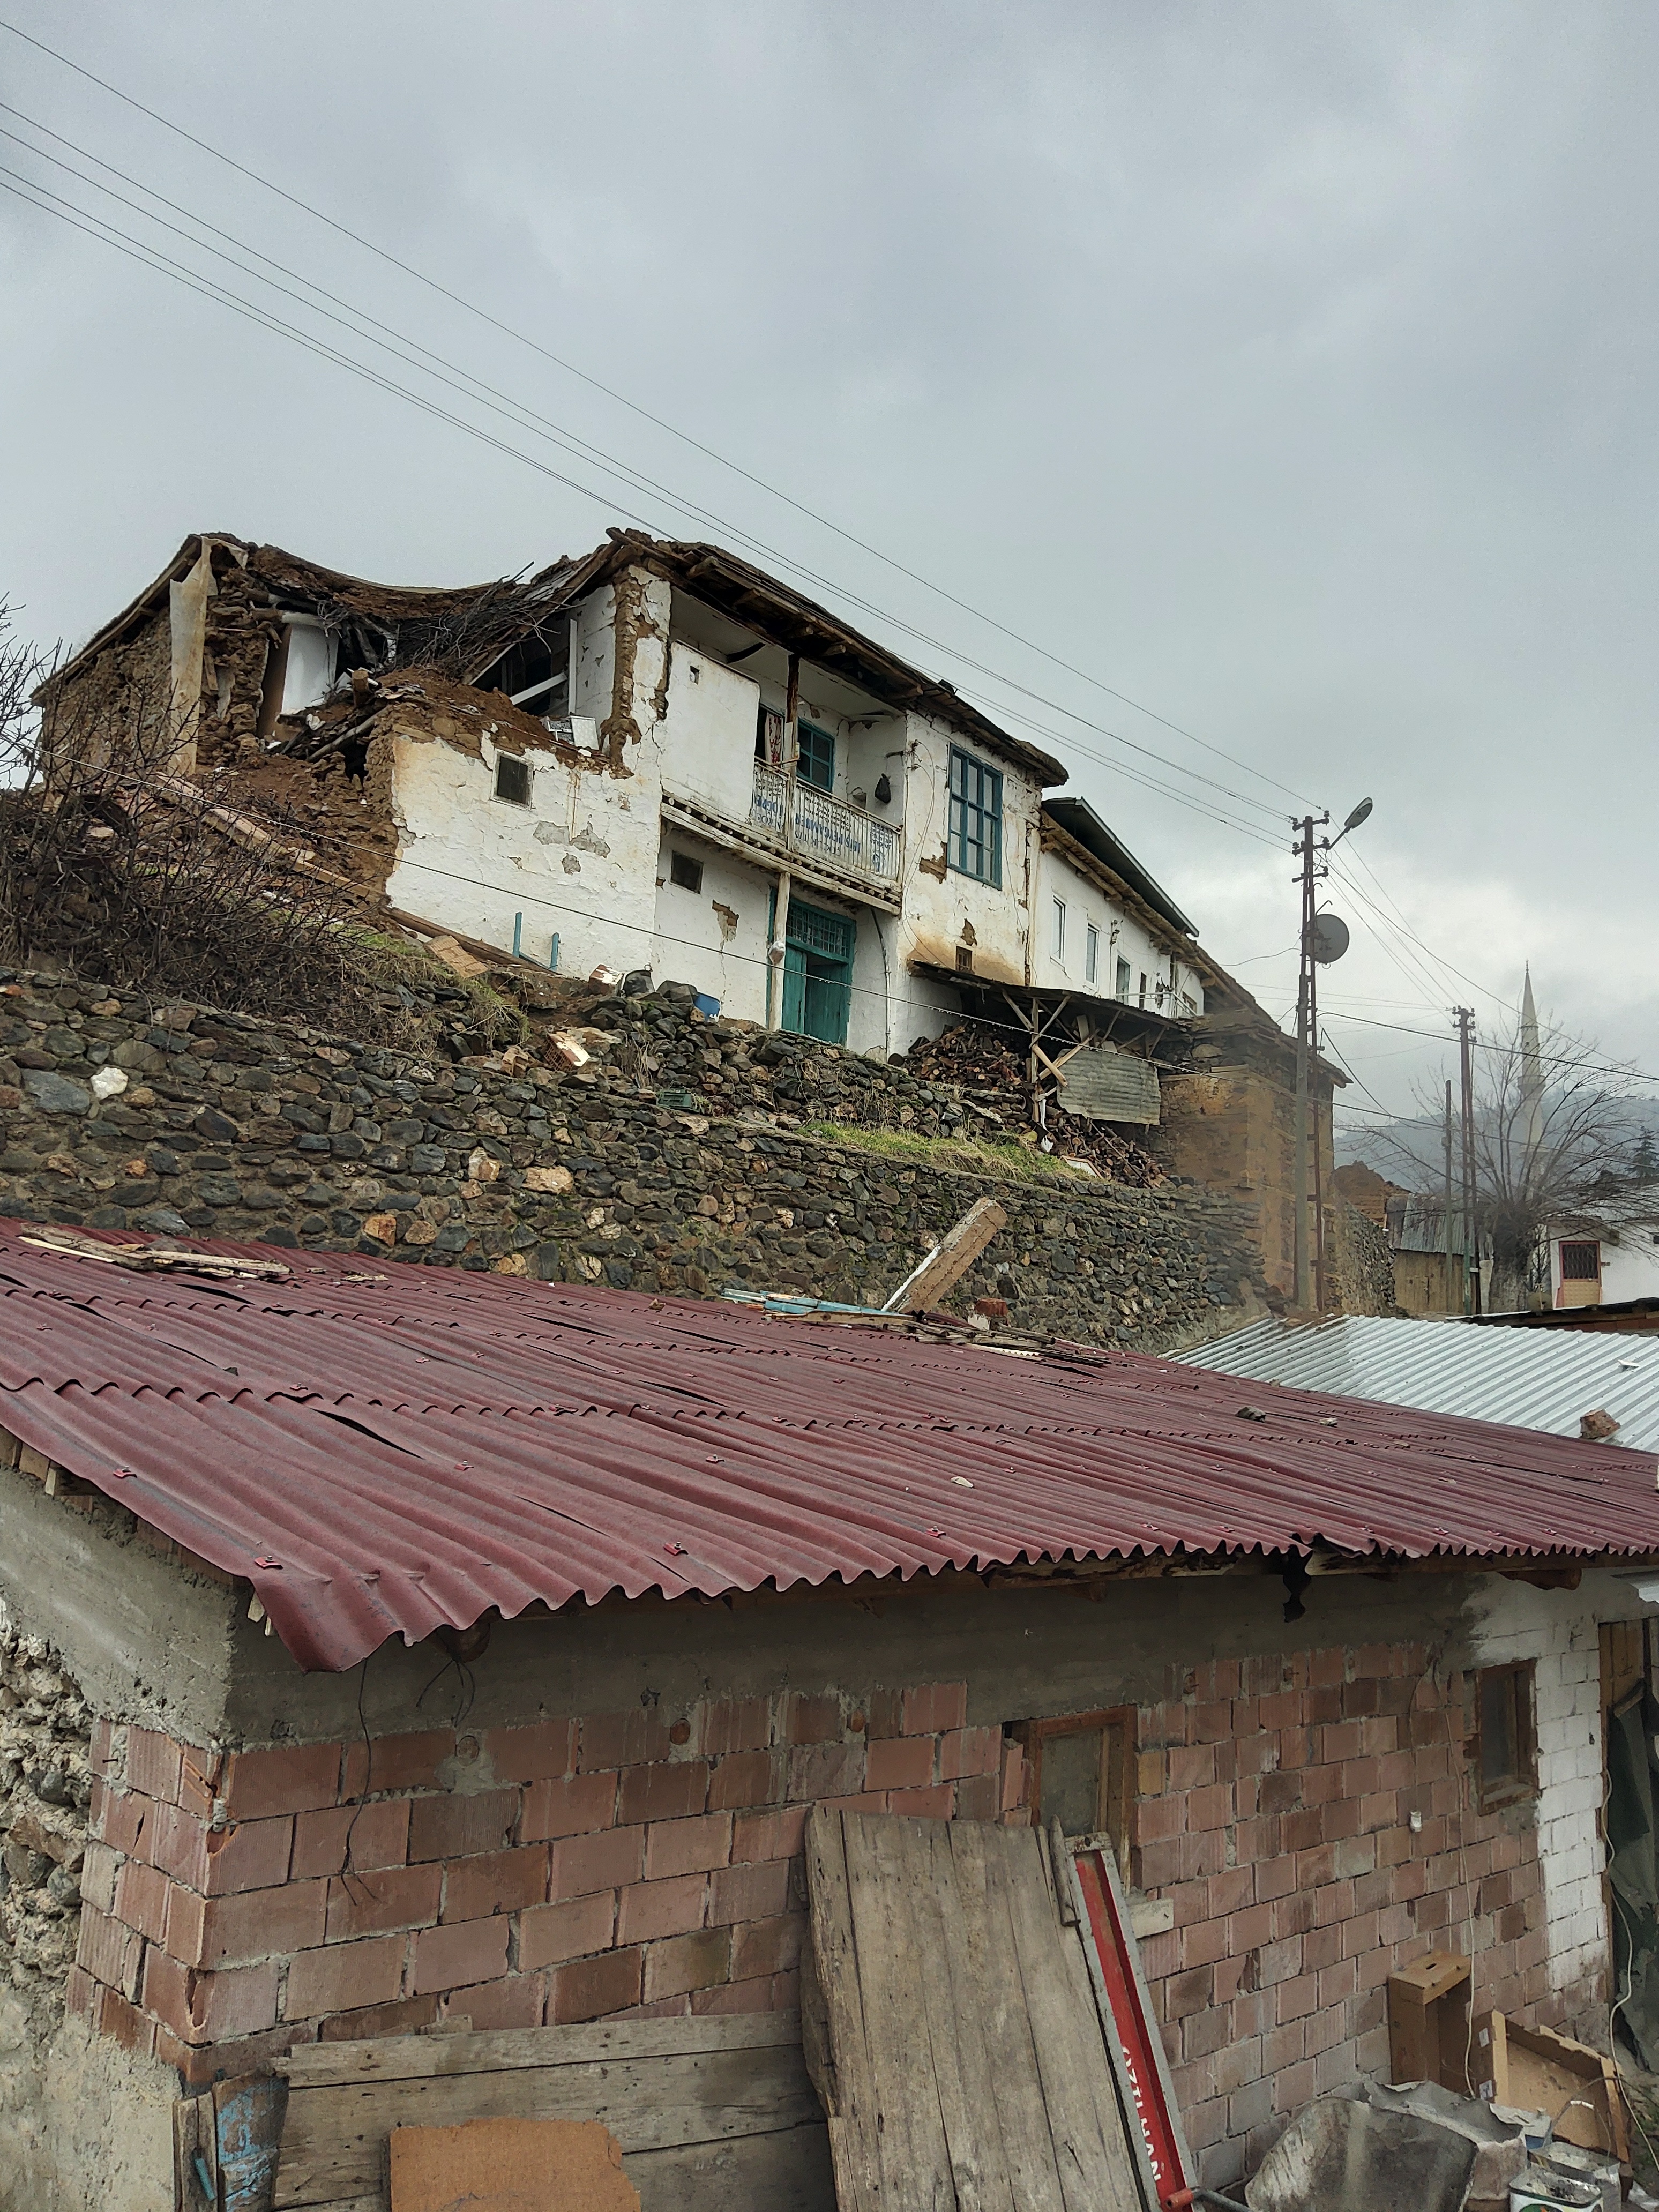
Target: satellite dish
(1330, 938)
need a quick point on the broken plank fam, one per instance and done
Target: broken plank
(847, 2085)
(951, 1258)
(1091, 2156)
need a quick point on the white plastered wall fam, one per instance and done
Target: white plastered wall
(580, 858)
(1169, 980)
(1559, 1630)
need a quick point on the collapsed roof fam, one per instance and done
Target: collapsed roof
(467, 628)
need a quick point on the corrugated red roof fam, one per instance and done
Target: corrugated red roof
(413, 1446)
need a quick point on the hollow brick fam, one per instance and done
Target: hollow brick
(692, 1846)
(378, 1834)
(743, 1778)
(590, 1988)
(397, 1762)
(543, 1752)
(649, 1910)
(606, 1860)
(495, 1881)
(451, 1826)
(296, 1778)
(345, 1976)
(671, 1789)
(549, 1934)
(371, 1904)
(469, 1951)
(681, 1963)
(934, 1707)
(513, 2000)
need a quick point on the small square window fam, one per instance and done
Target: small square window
(513, 779)
(1091, 954)
(685, 871)
(1505, 1744)
(1082, 1774)
(1581, 1262)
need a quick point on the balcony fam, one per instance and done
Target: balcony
(810, 822)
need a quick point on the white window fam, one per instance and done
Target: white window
(1091, 954)
(1123, 979)
(307, 665)
(1059, 937)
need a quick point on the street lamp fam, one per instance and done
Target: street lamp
(1320, 944)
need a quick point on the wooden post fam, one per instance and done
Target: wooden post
(777, 950)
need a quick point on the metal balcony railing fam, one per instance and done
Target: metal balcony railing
(810, 822)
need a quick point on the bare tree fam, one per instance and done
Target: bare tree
(1552, 1136)
(118, 865)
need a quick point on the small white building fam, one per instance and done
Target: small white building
(1609, 1255)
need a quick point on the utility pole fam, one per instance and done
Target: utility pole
(1464, 1017)
(1311, 851)
(1305, 848)
(1446, 1209)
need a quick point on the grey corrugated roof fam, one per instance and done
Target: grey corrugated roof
(1531, 1378)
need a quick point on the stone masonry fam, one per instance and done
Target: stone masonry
(121, 1113)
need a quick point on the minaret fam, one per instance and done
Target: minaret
(1532, 1088)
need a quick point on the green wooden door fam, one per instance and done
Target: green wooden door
(817, 973)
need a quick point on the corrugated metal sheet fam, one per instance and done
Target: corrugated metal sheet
(1109, 1085)
(383, 1451)
(1530, 1379)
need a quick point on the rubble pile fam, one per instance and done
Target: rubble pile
(991, 1076)
(45, 1789)
(984, 1062)
(1106, 1150)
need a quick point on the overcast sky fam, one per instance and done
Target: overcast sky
(1285, 368)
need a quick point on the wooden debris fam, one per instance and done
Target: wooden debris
(713, 2114)
(456, 958)
(150, 1259)
(951, 1258)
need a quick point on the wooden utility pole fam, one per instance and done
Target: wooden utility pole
(1305, 848)
(1464, 1017)
(1446, 1209)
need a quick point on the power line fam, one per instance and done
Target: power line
(644, 414)
(1545, 1059)
(123, 241)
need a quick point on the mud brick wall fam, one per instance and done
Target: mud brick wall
(118, 1112)
(1274, 1809)
(636, 1864)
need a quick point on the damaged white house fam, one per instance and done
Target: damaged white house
(658, 757)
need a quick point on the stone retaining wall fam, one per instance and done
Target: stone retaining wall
(122, 1113)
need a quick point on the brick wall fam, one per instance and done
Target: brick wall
(627, 1864)
(648, 1862)
(1275, 1804)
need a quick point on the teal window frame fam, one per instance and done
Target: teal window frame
(815, 756)
(974, 842)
